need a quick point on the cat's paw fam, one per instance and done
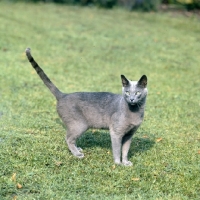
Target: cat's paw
(80, 155)
(79, 149)
(127, 163)
(118, 163)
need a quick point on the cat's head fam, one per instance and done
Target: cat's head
(134, 92)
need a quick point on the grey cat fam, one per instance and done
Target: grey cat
(121, 114)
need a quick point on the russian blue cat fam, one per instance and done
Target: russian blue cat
(121, 114)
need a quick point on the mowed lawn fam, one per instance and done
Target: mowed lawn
(87, 49)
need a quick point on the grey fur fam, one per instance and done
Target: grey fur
(121, 114)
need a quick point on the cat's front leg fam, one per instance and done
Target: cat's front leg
(116, 147)
(126, 142)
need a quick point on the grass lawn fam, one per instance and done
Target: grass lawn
(87, 49)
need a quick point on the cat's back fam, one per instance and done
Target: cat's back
(91, 98)
(95, 96)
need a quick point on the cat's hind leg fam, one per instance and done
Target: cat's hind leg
(73, 133)
(71, 142)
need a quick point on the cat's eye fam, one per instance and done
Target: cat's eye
(127, 93)
(137, 93)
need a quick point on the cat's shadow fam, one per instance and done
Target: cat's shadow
(97, 138)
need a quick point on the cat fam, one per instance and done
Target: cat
(121, 114)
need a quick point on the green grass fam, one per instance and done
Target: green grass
(86, 49)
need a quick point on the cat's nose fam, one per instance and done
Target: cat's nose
(131, 99)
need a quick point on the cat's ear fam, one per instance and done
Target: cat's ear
(143, 81)
(125, 81)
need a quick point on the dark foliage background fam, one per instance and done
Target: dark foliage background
(142, 5)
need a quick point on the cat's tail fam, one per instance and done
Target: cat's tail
(54, 90)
